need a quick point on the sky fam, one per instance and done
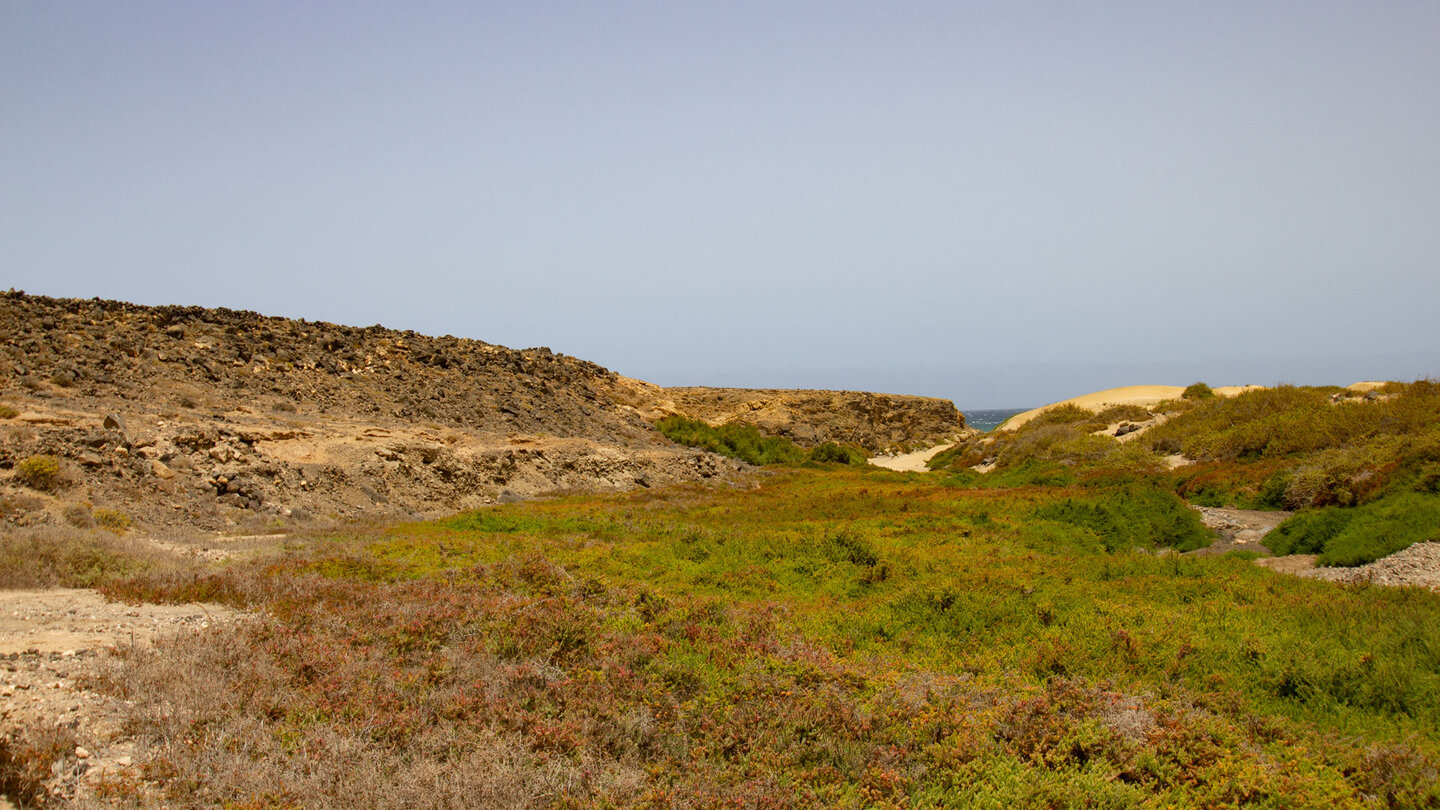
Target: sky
(1000, 203)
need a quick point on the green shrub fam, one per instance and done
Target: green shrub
(832, 453)
(744, 442)
(1383, 528)
(1308, 532)
(1260, 485)
(1131, 458)
(1198, 390)
(39, 472)
(1362, 534)
(7, 412)
(1130, 516)
(1122, 413)
(1061, 443)
(963, 455)
(1288, 421)
(1065, 414)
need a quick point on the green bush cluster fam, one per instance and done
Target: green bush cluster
(747, 443)
(1064, 435)
(1066, 414)
(832, 453)
(1198, 390)
(1288, 421)
(1260, 485)
(1045, 442)
(1363, 534)
(744, 442)
(1122, 413)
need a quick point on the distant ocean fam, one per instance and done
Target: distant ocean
(989, 420)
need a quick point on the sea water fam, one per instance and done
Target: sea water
(988, 420)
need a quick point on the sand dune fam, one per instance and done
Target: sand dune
(1366, 386)
(1143, 395)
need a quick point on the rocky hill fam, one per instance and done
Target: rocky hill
(183, 418)
(187, 418)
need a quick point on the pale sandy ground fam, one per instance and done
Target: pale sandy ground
(71, 620)
(52, 642)
(910, 462)
(1143, 395)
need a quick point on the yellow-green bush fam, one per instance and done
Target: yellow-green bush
(1198, 390)
(39, 472)
(1122, 413)
(112, 520)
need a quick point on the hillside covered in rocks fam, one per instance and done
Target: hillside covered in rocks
(871, 421)
(184, 418)
(215, 419)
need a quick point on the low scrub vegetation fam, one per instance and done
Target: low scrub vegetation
(744, 442)
(1198, 390)
(40, 473)
(1369, 463)
(1122, 413)
(112, 520)
(1288, 421)
(1282, 448)
(1362, 534)
(74, 558)
(1067, 435)
(1034, 636)
(1130, 517)
(841, 639)
(747, 443)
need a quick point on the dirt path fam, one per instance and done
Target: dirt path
(910, 462)
(54, 642)
(1240, 529)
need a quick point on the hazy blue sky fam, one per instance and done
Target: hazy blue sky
(1001, 203)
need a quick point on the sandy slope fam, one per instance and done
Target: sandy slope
(1365, 386)
(1144, 395)
(910, 462)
